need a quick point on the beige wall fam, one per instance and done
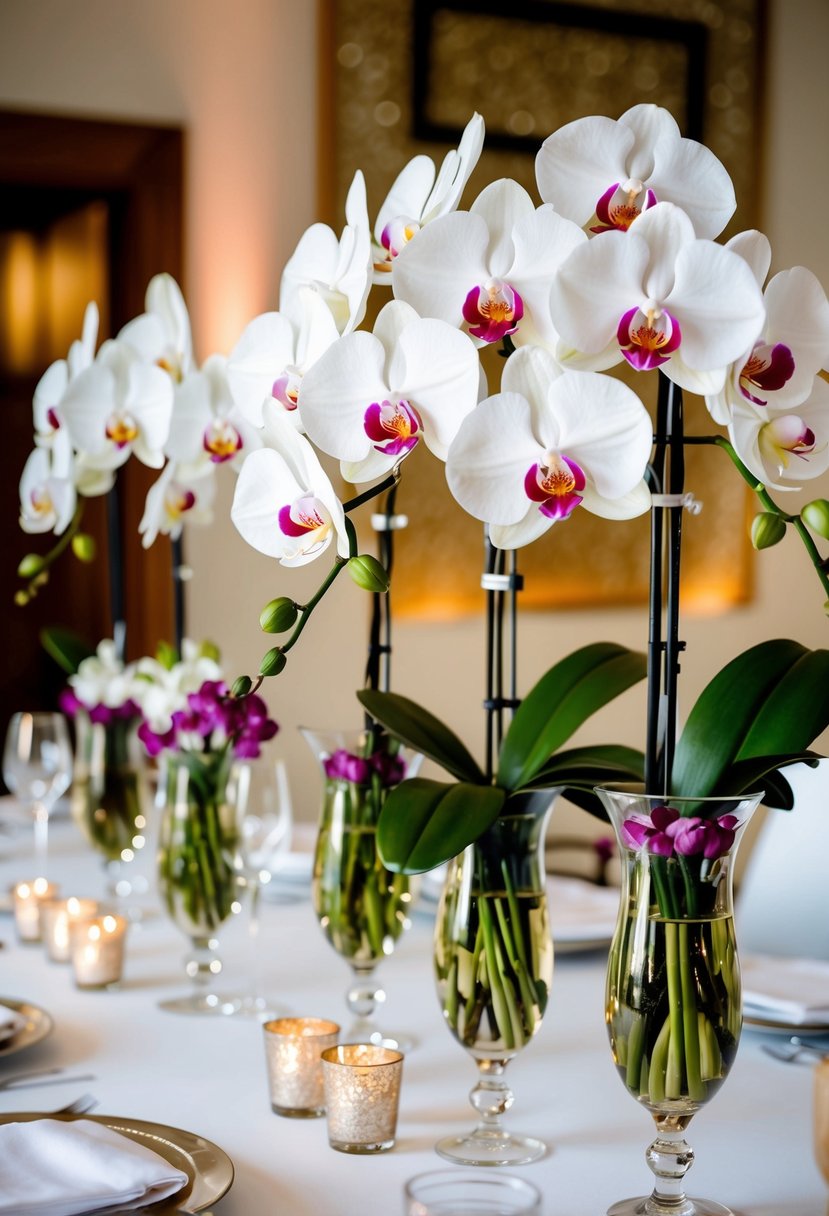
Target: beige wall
(241, 77)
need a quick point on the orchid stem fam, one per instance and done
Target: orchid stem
(387, 484)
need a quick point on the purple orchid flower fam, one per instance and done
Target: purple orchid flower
(343, 765)
(669, 834)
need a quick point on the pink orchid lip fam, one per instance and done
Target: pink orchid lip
(121, 430)
(393, 427)
(285, 390)
(221, 441)
(647, 341)
(767, 368)
(492, 310)
(301, 517)
(618, 217)
(52, 418)
(179, 500)
(555, 486)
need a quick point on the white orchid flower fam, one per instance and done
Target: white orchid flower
(117, 406)
(51, 388)
(102, 679)
(285, 505)
(489, 269)
(338, 270)
(274, 353)
(780, 446)
(778, 370)
(162, 692)
(175, 499)
(549, 442)
(617, 170)
(161, 335)
(372, 397)
(206, 428)
(47, 499)
(668, 300)
(416, 198)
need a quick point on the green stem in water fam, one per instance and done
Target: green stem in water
(690, 1022)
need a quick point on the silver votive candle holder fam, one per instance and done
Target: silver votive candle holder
(97, 950)
(56, 919)
(362, 1095)
(293, 1047)
(27, 898)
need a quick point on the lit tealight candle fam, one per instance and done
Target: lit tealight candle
(97, 950)
(293, 1047)
(27, 897)
(56, 918)
(362, 1093)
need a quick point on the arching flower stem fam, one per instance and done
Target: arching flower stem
(52, 556)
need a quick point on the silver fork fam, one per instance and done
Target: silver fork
(80, 1106)
(794, 1050)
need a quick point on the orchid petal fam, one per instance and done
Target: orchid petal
(578, 162)
(524, 532)
(689, 174)
(603, 427)
(798, 316)
(667, 230)
(627, 506)
(455, 172)
(48, 393)
(649, 124)
(408, 194)
(596, 285)
(502, 205)
(542, 242)
(439, 373)
(717, 303)
(164, 299)
(435, 272)
(755, 248)
(262, 353)
(489, 459)
(338, 389)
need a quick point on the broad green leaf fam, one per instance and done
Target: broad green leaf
(561, 702)
(423, 823)
(724, 717)
(67, 648)
(763, 773)
(796, 712)
(422, 731)
(604, 760)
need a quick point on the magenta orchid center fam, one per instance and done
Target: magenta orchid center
(392, 427)
(221, 440)
(394, 237)
(286, 389)
(621, 204)
(41, 500)
(121, 429)
(767, 369)
(555, 485)
(648, 336)
(53, 418)
(178, 500)
(492, 310)
(785, 437)
(307, 516)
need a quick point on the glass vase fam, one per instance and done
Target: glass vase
(111, 801)
(363, 908)
(201, 875)
(673, 985)
(494, 967)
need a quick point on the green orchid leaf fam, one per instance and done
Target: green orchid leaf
(586, 800)
(423, 731)
(423, 823)
(67, 648)
(561, 702)
(606, 761)
(763, 773)
(768, 699)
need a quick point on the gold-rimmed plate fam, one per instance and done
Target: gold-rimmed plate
(208, 1168)
(38, 1023)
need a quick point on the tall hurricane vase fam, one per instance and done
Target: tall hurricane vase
(673, 984)
(494, 967)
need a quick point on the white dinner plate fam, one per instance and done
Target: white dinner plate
(208, 1168)
(37, 1025)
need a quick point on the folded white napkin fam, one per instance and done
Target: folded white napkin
(580, 910)
(10, 1022)
(53, 1168)
(791, 990)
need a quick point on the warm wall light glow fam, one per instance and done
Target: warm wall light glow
(19, 285)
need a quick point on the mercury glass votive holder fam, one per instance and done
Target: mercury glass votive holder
(362, 1094)
(26, 899)
(56, 919)
(293, 1047)
(97, 950)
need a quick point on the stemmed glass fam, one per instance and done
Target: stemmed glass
(37, 768)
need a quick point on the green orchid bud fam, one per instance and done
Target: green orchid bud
(40, 580)
(767, 529)
(277, 616)
(30, 565)
(368, 573)
(83, 546)
(241, 686)
(815, 515)
(273, 662)
(21, 598)
(209, 650)
(166, 655)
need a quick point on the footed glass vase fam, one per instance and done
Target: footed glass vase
(494, 967)
(674, 1010)
(363, 908)
(201, 875)
(111, 802)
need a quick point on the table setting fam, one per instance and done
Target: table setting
(183, 942)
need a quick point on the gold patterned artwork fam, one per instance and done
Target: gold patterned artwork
(404, 80)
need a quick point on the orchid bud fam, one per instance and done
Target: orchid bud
(767, 529)
(166, 655)
(368, 573)
(209, 650)
(241, 686)
(83, 546)
(816, 516)
(273, 662)
(30, 565)
(277, 616)
(21, 598)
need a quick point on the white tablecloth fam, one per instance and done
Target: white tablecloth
(753, 1144)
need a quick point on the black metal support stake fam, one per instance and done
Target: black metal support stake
(501, 607)
(116, 573)
(178, 568)
(378, 663)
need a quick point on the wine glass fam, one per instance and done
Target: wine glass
(37, 768)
